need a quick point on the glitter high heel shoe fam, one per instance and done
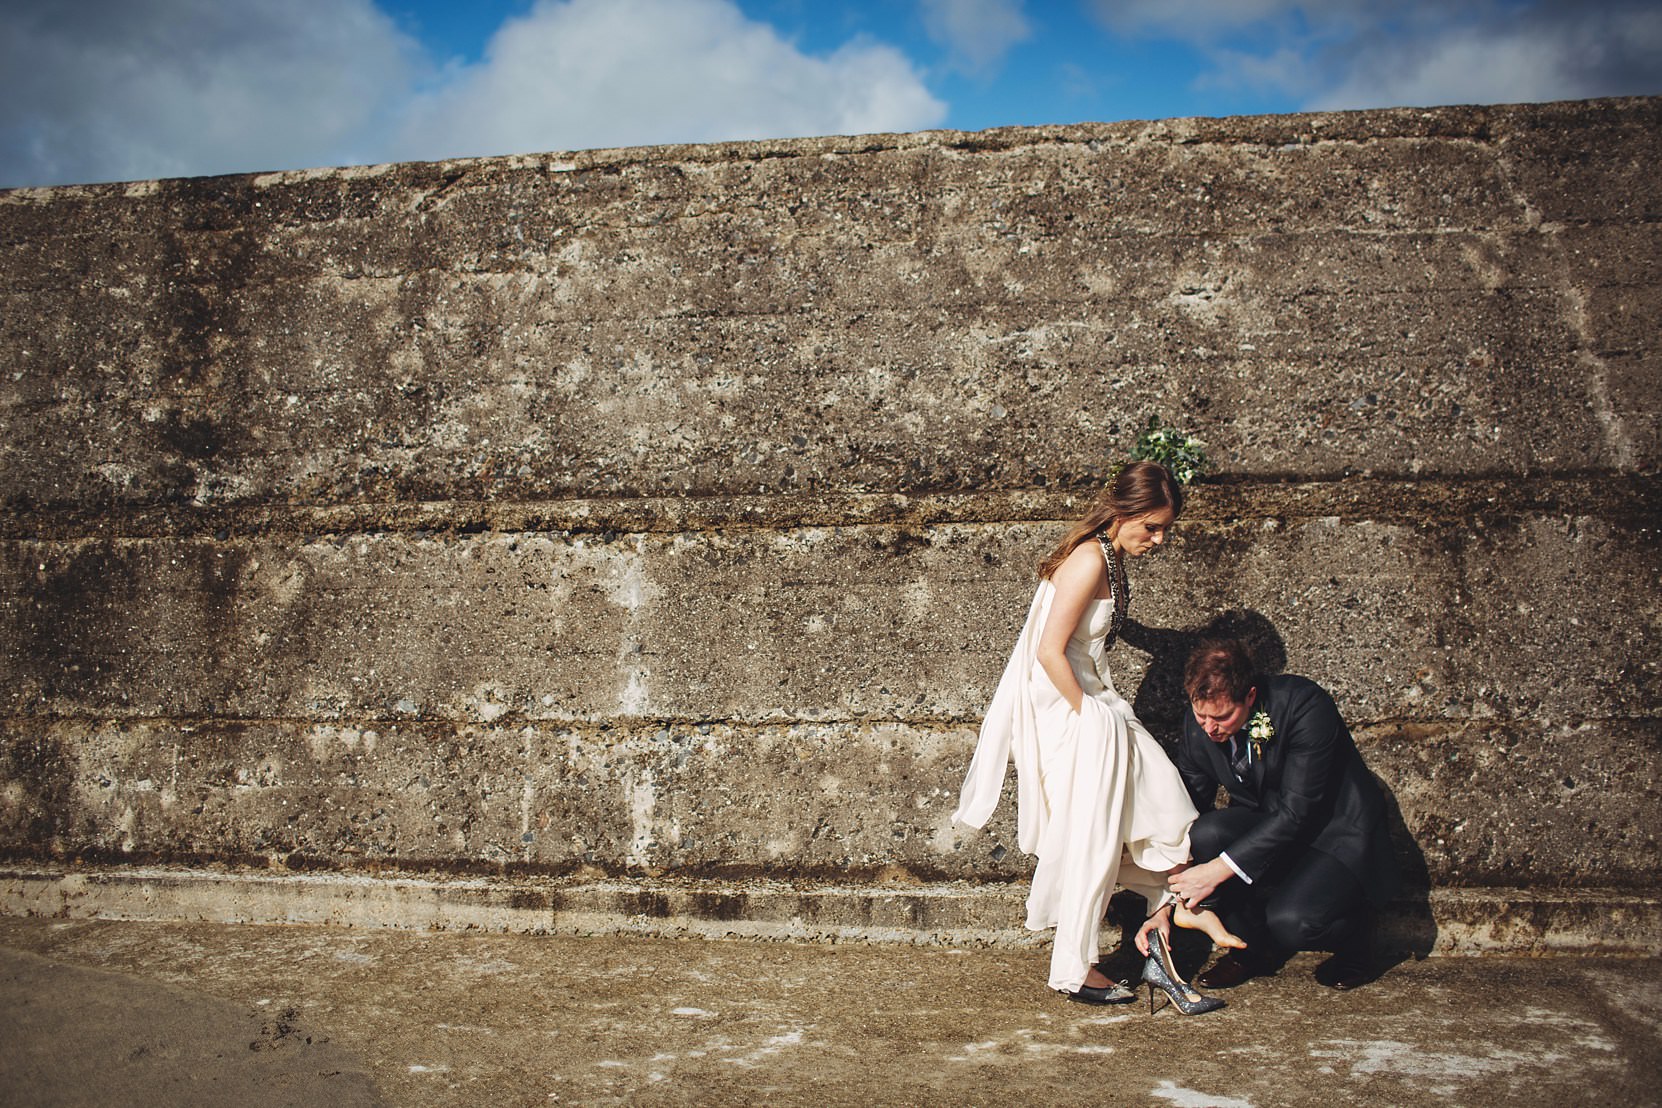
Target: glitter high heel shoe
(1159, 972)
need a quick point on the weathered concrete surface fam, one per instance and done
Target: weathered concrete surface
(806, 623)
(669, 513)
(1444, 292)
(894, 907)
(847, 799)
(76, 1036)
(514, 1020)
(731, 700)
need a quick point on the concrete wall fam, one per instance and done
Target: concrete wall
(669, 513)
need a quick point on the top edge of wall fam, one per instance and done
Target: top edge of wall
(1483, 123)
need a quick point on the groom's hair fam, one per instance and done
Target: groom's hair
(1219, 667)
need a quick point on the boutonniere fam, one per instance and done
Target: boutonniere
(1260, 731)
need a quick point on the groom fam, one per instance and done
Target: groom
(1301, 858)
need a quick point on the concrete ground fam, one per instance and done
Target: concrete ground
(108, 1013)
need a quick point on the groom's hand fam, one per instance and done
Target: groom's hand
(1198, 882)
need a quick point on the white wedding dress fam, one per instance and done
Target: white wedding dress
(1096, 797)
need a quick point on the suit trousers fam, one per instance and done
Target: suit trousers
(1309, 902)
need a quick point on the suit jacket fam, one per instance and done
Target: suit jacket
(1310, 781)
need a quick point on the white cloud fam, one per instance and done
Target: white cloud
(976, 33)
(1206, 20)
(1381, 53)
(1287, 70)
(123, 89)
(127, 89)
(573, 74)
(1551, 52)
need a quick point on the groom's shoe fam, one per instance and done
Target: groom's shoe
(1338, 973)
(1229, 971)
(1352, 964)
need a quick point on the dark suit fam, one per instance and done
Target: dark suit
(1306, 822)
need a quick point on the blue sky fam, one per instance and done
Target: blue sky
(132, 89)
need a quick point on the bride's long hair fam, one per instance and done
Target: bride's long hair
(1138, 489)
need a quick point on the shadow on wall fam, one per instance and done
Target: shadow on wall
(1409, 929)
(1160, 702)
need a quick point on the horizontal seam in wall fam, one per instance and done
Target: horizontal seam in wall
(1617, 498)
(647, 725)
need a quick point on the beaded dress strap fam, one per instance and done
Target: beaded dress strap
(1119, 588)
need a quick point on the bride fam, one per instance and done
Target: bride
(1097, 799)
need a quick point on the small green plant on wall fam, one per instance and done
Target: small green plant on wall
(1178, 451)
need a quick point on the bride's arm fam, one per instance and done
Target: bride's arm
(1077, 581)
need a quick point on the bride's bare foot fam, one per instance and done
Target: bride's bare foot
(1207, 921)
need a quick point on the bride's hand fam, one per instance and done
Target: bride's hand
(1159, 921)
